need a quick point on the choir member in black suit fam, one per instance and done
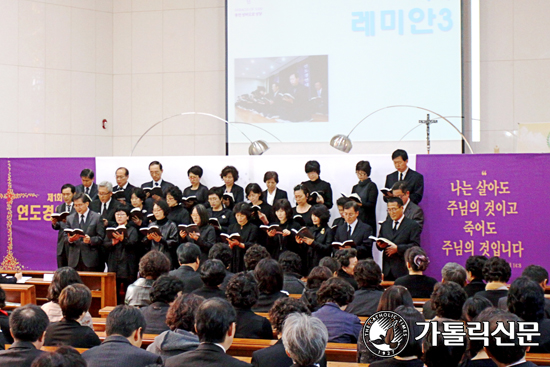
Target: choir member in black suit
(273, 193)
(278, 242)
(67, 192)
(88, 185)
(411, 210)
(224, 216)
(168, 239)
(105, 205)
(121, 175)
(368, 192)
(178, 214)
(262, 216)
(249, 235)
(313, 170)
(302, 208)
(230, 175)
(414, 179)
(354, 229)
(122, 252)
(196, 189)
(156, 171)
(321, 246)
(206, 237)
(138, 201)
(418, 284)
(404, 233)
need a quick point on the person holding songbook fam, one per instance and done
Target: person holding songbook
(262, 212)
(196, 189)
(368, 192)
(122, 175)
(162, 234)
(230, 175)
(415, 180)
(201, 233)
(320, 192)
(59, 222)
(220, 217)
(138, 213)
(241, 235)
(156, 171)
(280, 235)
(319, 238)
(302, 210)
(273, 193)
(353, 233)
(178, 214)
(88, 186)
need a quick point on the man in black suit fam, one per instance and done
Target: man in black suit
(121, 175)
(28, 326)
(88, 185)
(105, 205)
(404, 233)
(415, 181)
(354, 229)
(155, 170)
(215, 326)
(412, 211)
(296, 107)
(189, 260)
(124, 329)
(67, 192)
(83, 251)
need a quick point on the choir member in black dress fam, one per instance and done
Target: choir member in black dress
(138, 201)
(178, 214)
(168, 239)
(313, 170)
(264, 215)
(230, 175)
(302, 208)
(321, 246)
(206, 237)
(273, 193)
(196, 189)
(224, 216)
(122, 251)
(420, 285)
(368, 192)
(249, 235)
(278, 242)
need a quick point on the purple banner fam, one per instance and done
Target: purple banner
(30, 190)
(492, 205)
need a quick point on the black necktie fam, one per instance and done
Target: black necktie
(156, 184)
(82, 221)
(104, 208)
(69, 208)
(396, 223)
(400, 176)
(87, 191)
(349, 231)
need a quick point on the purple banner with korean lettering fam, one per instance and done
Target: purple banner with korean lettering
(30, 190)
(485, 205)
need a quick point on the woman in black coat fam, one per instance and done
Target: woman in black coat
(319, 247)
(206, 237)
(368, 192)
(249, 235)
(168, 238)
(278, 242)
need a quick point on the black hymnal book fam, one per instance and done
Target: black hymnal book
(232, 237)
(150, 230)
(355, 197)
(314, 195)
(271, 227)
(228, 195)
(136, 213)
(255, 210)
(299, 219)
(120, 230)
(385, 241)
(214, 222)
(153, 191)
(74, 231)
(189, 228)
(60, 216)
(385, 191)
(303, 233)
(343, 244)
(119, 194)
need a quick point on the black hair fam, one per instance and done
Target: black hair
(126, 172)
(393, 297)
(212, 273)
(157, 163)
(313, 166)
(163, 205)
(153, 264)
(213, 319)
(290, 262)
(165, 289)
(123, 208)
(271, 175)
(253, 255)
(497, 269)
(526, 299)
(417, 259)
(317, 276)
(222, 252)
(140, 194)
(473, 307)
(244, 209)
(412, 318)
(536, 273)
(351, 204)
(395, 200)
(188, 253)
(87, 173)
(252, 187)
(242, 290)
(283, 204)
(344, 255)
(400, 153)
(81, 196)
(230, 169)
(331, 263)
(176, 193)
(302, 188)
(335, 290)
(402, 186)
(28, 323)
(218, 191)
(341, 201)
(475, 346)
(68, 186)
(438, 354)
(61, 278)
(196, 170)
(203, 214)
(475, 264)
(124, 320)
(367, 273)
(363, 166)
(269, 275)
(64, 356)
(448, 299)
(321, 212)
(284, 307)
(505, 349)
(74, 300)
(181, 314)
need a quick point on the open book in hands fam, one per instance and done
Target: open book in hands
(382, 242)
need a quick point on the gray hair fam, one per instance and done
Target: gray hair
(305, 338)
(107, 185)
(453, 272)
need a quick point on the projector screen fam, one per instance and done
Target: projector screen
(309, 69)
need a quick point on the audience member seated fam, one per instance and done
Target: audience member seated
(122, 347)
(410, 356)
(474, 306)
(222, 252)
(61, 278)
(28, 326)
(368, 276)
(331, 263)
(526, 300)
(347, 259)
(269, 275)
(475, 355)
(5, 335)
(189, 259)
(215, 325)
(163, 292)
(447, 301)
(420, 285)
(242, 293)
(292, 265)
(305, 339)
(212, 274)
(254, 255)
(314, 280)
(64, 356)
(181, 320)
(275, 355)
(75, 301)
(342, 326)
(451, 272)
(436, 353)
(496, 273)
(474, 269)
(151, 266)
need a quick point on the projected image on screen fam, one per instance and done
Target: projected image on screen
(282, 89)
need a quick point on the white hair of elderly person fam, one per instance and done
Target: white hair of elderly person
(305, 339)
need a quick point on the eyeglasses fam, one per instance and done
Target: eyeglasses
(393, 210)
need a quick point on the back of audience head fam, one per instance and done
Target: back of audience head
(284, 307)
(153, 264)
(181, 314)
(317, 276)
(331, 263)
(475, 346)
(412, 318)
(269, 276)
(254, 255)
(474, 306)
(448, 299)
(474, 266)
(188, 253)
(222, 252)
(416, 258)
(165, 289)
(126, 321)
(242, 291)
(497, 269)
(75, 301)
(453, 272)
(61, 278)
(305, 338)
(290, 262)
(513, 351)
(212, 273)
(536, 273)
(526, 299)
(64, 356)
(347, 259)
(439, 354)
(367, 273)
(393, 297)
(28, 324)
(335, 290)
(213, 320)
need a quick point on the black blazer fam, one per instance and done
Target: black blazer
(252, 326)
(237, 191)
(360, 237)
(323, 188)
(476, 285)
(93, 191)
(206, 240)
(206, 355)
(155, 317)
(209, 292)
(406, 236)
(365, 301)
(168, 243)
(60, 226)
(89, 253)
(179, 215)
(127, 192)
(164, 185)
(414, 180)
(279, 243)
(368, 192)
(279, 194)
(414, 212)
(191, 279)
(249, 235)
(109, 214)
(275, 356)
(20, 354)
(70, 332)
(117, 351)
(123, 257)
(321, 246)
(201, 193)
